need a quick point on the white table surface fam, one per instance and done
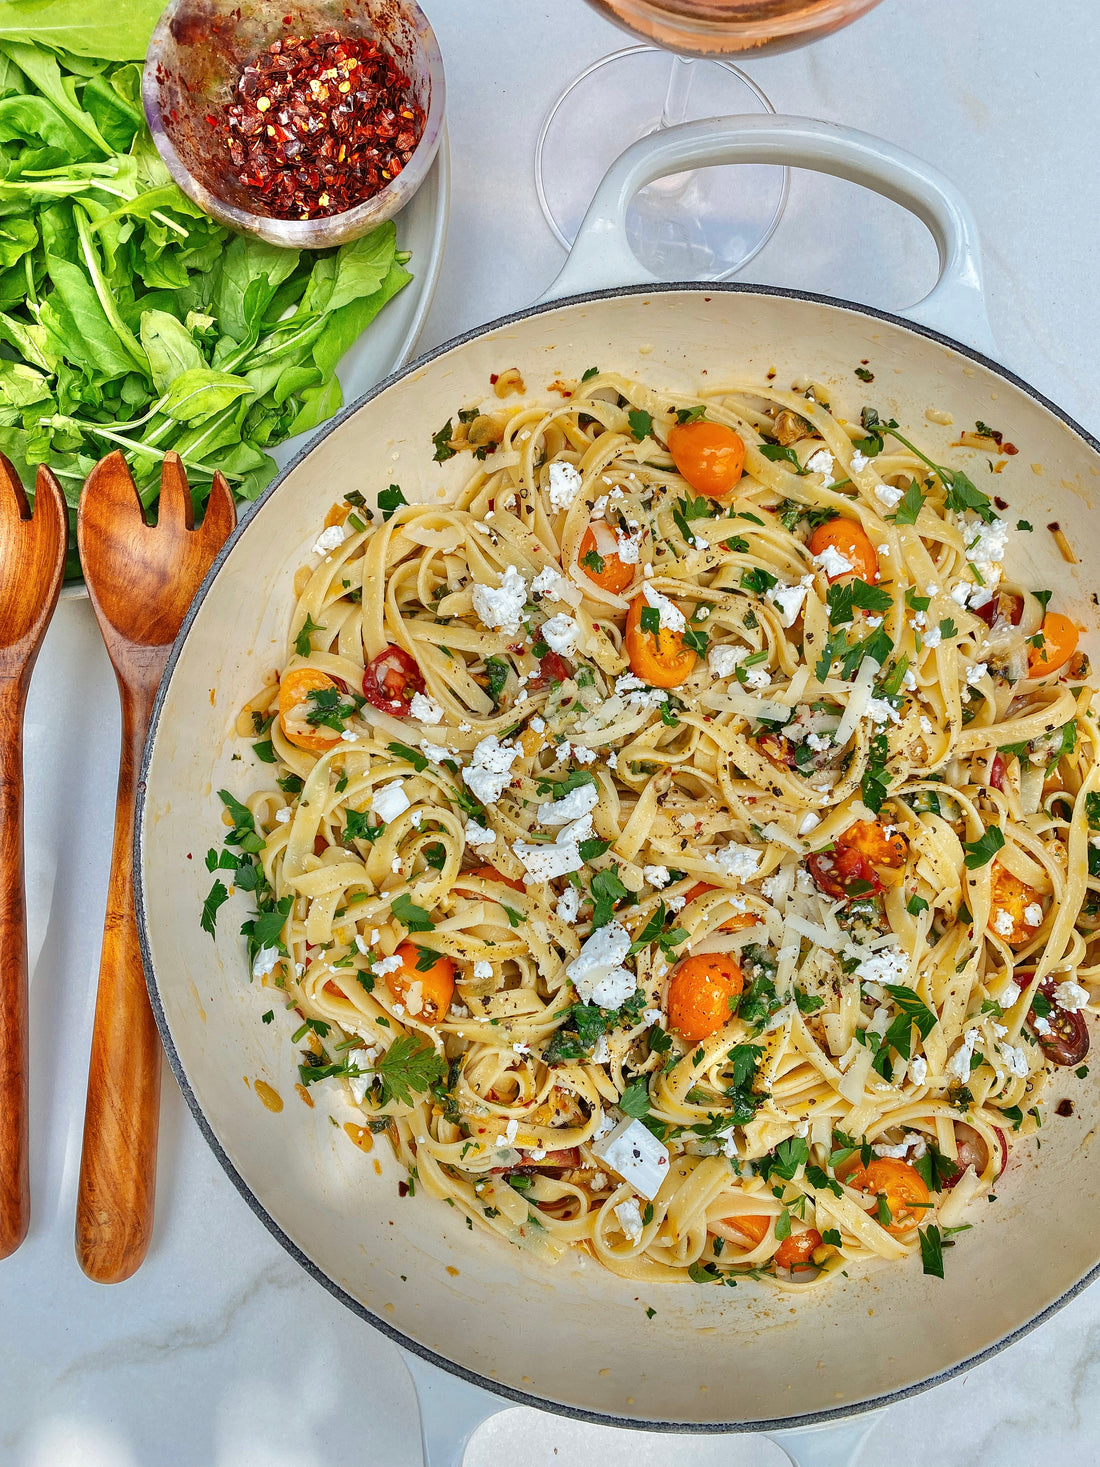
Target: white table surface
(221, 1350)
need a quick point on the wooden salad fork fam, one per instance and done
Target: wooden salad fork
(32, 563)
(141, 579)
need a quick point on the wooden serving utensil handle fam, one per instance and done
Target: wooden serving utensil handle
(14, 1176)
(118, 1165)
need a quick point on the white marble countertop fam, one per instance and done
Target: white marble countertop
(221, 1350)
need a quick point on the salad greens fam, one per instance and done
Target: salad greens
(82, 26)
(128, 319)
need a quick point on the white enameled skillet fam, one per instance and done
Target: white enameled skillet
(575, 1339)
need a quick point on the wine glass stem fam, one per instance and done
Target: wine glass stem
(680, 79)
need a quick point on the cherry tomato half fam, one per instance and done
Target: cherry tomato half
(390, 681)
(796, 1252)
(849, 540)
(1067, 1043)
(1002, 610)
(844, 874)
(553, 668)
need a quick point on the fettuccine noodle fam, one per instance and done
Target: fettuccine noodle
(838, 762)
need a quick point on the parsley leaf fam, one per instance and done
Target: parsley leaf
(913, 1011)
(409, 1068)
(415, 918)
(909, 506)
(962, 494)
(442, 441)
(641, 423)
(776, 451)
(980, 852)
(931, 1250)
(634, 1100)
(589, 373)
(412, 756)
(217, 897)
(691, 415)
(302, 644)
(358, 826)
(390, 500)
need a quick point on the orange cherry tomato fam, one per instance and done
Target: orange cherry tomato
(437, 984)
(659, 659)
(700, 993)
(901, 1185)
(869, 838)
(735, 924)
(796, 1252)
(294, 691)
(1008, 894)
(490, 873)
(847, 539)
(1059, 644)
(753, 1227)
(615, 575)
(710, 456)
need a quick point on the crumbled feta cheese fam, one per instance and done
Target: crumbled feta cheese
(735, 860)
(537, 725)
(349, 736)
(1016, 1060)
(569, 904)
(489, 772)
(909, 679)
(918, 1069)
(511, 1131)
(888, 496)
(548, 582)
(881, 710)
(985, 546)
(425, 709)
(629, 1215)
(583, 755)
(888, 965)
(789, 599)
(859, 461)
(265, 961)
(810, 821)
(548, 862)
(483, 969)
(361, 1060)
(1071, 996)
(330, 539)
(1033, 915)
(926, 725)
(628, 547)
(502, 606)
(389, 802)
(479, 835)
(980, 596)
(778, 887)
(602, 1052)
(637, 693)
(597, 973)
(388, 965)
(958, 1066)
(635, 1153)
(832, 562)
(819, 742)
(284, 816)
(1003, 923)
(821, 462)
(959, 593)
(974, 673)
(571, 806)
(1009, 994)
(656, 876)
(672, 619)
(724, 659)
(933, 638)
(436, 752)
(565, 480)
(361, 945)
(560, 634)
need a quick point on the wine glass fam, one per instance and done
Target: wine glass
(707, 223)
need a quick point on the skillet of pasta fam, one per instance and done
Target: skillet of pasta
(680, 845)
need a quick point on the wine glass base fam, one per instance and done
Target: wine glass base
(703, 225)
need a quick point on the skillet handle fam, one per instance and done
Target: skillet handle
(601, 257)
(451, 1410)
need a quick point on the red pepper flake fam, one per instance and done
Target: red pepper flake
(319, 124)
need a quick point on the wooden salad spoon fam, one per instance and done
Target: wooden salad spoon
(141, 579)
(32, 563)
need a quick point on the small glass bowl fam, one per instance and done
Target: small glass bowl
(199, 48)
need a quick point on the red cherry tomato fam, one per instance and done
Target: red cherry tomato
(390, 680)
(1067, 1043)
(836, 872)
(778, 749)
(1002, 610)
(553, 668)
